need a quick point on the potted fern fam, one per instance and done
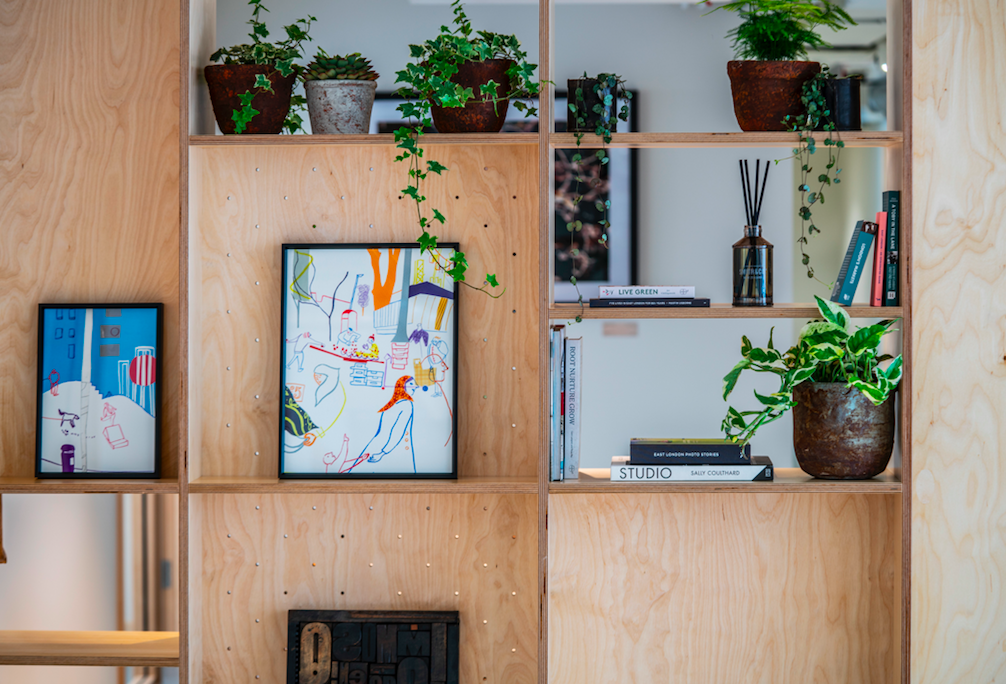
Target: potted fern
(771, 46)
(340, 93)
(251, 90)
(841, 396)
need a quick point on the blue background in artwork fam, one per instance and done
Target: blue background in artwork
(64, 331)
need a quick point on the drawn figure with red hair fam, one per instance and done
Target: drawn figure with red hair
(394, 431)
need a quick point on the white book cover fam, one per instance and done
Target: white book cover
(556, 370)
(760, 470)
(648, 292)
(571, 432)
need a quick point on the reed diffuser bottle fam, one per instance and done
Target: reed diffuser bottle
(753, 253)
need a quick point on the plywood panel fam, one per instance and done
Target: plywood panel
(266, 554)
(151, 649)
(253, 199)
(958, 625)
(706, 588)
(88, 184)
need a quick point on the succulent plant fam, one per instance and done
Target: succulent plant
(349, 68)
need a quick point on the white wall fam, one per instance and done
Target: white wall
(667, 380)
(60, 574)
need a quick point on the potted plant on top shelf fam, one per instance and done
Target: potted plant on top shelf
(340, 93)
(462, 81)
(767, 77)
(252, 89)
(842, 399)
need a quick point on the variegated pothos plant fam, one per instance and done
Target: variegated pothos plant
(827, 350)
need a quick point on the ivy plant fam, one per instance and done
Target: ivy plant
(782, 30)
(828, 350)
(427, 80)
(279, 55)
(607, 90)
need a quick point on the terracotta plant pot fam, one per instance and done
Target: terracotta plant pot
(340, 106)
(838, 433)
(478, 116)
(227, 81)
(766, 92)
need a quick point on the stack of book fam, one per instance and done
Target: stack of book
(648, 296)
(690, 460)
(566, 365)
(884, 237)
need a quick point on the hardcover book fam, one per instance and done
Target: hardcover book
(879, 261)
(662, 302)
(892, 277)
(688, 452)
(760, 470)
(854, 263)
(648, 292)
(571, 401)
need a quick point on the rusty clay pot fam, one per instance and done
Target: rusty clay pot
(766, 92)
(838, 433)
(227, 81)
(478, 116)
(340, 106)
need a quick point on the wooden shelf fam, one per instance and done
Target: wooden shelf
(272, 485)
(571, 311)
(787, 480)
(356, 140)
(737, 139)
(112, 649)
(31, 485)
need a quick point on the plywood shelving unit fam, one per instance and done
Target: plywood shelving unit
(586, 581)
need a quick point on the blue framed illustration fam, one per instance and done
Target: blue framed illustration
(369, 362)
(99, 391)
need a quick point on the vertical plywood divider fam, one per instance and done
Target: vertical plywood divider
(266, 554)
(253, 199)
(782, 588)
(88, 186)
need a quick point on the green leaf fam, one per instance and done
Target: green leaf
(262, 81)
(435, 166)
(439, 217)
(491, 279)
(730, 379)
(427, 242)
(833, 313)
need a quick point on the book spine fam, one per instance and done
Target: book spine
(686, 303)
(562, 407)
(574, 364)
(689, 454)
(864, 240)
(701, 473)
(892, 279)
(664, 291)
(879, 261)
(836, 291)
(554, 356)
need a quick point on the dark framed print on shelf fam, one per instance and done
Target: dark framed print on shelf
(369, 362)
(583, 254)
(99, 391)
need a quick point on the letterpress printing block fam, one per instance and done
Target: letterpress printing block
(413, 671)
(387, 646)
(343, 672)
(358, 673)
(413, 644)
(369, 651)
(438, 653)
(453, 635)
(315, 653)
(346, 637)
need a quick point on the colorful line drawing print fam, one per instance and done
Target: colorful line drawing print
(98, 410)
(372, 329)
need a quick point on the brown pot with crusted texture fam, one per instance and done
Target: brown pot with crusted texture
(838, 433)
(478, 116)
(227, 81)
(766, 92)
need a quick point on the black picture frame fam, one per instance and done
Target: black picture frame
(440, 475)
(157, 398)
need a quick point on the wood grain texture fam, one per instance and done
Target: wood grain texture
(958, 382)
(272, 485)
(386, 139)
(754, 588)
(475, 553)
(685, 140)
(719, 310)
(30, 485)
(88, 184)
(789, 480)
(324, 194)
(115, 649)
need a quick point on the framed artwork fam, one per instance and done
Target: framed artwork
(594, 265)
(99, 391)
(372, 646)
(369, 367)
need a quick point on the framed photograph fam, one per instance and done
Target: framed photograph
(594, 264)
(369, 367)
(99, 391)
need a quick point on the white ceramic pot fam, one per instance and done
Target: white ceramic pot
(340, 106)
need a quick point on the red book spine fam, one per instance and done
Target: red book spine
(879, 261)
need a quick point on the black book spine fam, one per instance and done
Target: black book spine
(892, 275)
(629, 303)
(689, 454)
